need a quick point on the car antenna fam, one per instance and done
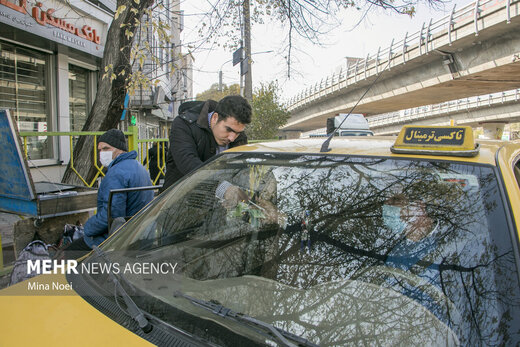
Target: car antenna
(325, 145)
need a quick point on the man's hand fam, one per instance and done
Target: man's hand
(233, 196)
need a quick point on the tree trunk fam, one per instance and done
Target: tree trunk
(108, 105)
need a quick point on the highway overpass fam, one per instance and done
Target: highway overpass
(501, 107)
(473, 51)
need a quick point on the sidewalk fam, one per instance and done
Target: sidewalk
(7, 221)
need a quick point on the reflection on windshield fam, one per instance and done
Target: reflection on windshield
(339, 250)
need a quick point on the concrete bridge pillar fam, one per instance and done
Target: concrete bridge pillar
(493, 130)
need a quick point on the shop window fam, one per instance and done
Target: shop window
(78, 97)
(25, 92)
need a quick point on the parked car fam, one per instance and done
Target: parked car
(367, 241)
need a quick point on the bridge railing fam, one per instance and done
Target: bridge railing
(416, 44)
(422, 112)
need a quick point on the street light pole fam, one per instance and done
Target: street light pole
(221, 74)
(248, 78)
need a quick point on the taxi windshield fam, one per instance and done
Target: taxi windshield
(335, 249)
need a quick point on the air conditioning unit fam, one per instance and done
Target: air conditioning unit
(158, 96)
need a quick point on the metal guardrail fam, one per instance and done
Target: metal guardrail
(416, 113)
(416, 44)
(123, 190)
(160, 162)
(133, 144)
(142, 146)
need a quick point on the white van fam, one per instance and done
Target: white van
(354, 124)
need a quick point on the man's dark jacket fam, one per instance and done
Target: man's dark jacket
(192, 142)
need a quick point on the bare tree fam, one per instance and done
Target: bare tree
(310, 20)
(112, 84)
(307, 19)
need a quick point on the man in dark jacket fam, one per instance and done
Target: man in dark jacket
(202, 130)
(123, 171)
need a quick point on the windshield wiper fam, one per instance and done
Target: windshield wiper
(280, 335)
(133, 310)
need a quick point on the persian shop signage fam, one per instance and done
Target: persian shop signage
(84, 38)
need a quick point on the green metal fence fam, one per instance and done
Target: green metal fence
(142, 147)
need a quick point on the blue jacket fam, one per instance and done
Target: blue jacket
(123, 172)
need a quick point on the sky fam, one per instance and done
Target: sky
(311, 62)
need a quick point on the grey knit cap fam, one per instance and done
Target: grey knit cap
(115, 138)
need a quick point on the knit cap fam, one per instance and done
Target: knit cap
(114, 138)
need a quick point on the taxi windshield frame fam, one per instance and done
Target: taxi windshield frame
(235, 161)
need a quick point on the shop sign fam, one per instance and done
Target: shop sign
(83, 37)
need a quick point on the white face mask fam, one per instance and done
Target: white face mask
(392, 218)
(105, 157)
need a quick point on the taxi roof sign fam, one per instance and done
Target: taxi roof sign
(436, 140)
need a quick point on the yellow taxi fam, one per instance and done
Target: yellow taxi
(349, 241)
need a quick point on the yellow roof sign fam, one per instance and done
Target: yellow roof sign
(436, 140)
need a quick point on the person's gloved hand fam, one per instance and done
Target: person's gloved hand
(233, 196)
(230, 195)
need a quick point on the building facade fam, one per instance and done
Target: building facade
(50, 54)
(50, 61)
(155, 107)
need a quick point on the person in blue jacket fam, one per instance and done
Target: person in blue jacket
(123, 171)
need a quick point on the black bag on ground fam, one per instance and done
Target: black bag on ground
(71, 233)
(35, 250)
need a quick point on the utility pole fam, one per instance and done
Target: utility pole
(248, 78)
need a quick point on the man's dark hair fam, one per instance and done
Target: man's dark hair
(234, 106)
